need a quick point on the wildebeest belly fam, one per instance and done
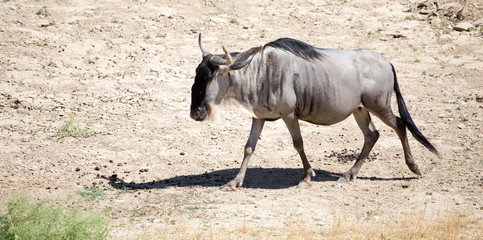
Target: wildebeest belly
(324, 120)
(328, 100)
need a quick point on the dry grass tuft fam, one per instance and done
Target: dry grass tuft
(446, 224)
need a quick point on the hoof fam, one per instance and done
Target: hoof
(347, 177)
(341, 180)
(231, 186)
(303, 184)
(415, 169)
(227, 188)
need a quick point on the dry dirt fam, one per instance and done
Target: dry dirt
(123, 70)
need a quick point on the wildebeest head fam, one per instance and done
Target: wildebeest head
(207, 71)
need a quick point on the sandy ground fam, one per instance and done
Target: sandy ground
(123, 70)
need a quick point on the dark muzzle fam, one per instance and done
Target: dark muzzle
(198, 114)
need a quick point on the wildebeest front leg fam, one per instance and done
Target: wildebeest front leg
(293, 126)
(257, 126)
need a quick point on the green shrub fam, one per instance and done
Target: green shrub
(91, 193)
(73, 129)
(43, 220)
(43, 12)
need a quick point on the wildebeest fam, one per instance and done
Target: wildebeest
(292, 80)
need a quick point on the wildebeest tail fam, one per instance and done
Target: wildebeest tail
(408, 121)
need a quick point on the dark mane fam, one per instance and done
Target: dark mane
(297, 48)
(294, 46)
(245, 55)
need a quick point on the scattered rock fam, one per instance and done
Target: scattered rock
(449, 9)
(424, 4)
(460, 15)
(463, 26)
(478, 22)
(435, 21)
(218, 21)
(20, 104)
(47, 24)
(396, 35)
(16, 104)
(157, 221)
(421, 17)
(426, 8)
(461, 126)
(425, 12)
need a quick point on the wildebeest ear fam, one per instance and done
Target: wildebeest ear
(222, 69)
(238, 65)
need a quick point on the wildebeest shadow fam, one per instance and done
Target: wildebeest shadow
(263, 178)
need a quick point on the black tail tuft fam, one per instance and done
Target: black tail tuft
(403, 111)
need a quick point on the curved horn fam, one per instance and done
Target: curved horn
(203, 49)
(229, 60)
(216, 61)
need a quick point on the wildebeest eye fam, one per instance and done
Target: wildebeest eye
(205, 70)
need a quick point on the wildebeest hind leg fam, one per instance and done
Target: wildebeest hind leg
(371, 135)
(293, 126)
(399, 127)
(257, 126)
